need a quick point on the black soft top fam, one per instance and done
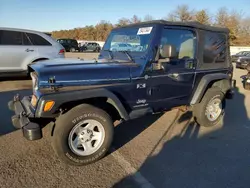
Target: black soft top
(191, 24)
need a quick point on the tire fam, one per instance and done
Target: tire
(72, 49)
(246, 85)
(67, 123)
(248, 67)
(201, 112)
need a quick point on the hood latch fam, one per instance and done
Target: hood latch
(52, 81)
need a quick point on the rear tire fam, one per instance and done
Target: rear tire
(83, 135)
(246, 85)
(72, 49)
(211, 109)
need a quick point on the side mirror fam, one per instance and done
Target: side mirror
(168, 51)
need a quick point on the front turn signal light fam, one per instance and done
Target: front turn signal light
(48, 106)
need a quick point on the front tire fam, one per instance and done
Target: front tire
(83, 135)
(211, 109)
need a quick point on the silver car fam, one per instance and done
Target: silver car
(121, 47)
(19, 48)
(235, 57)
(243, 61)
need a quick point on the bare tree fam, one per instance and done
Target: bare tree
(222, 17)
(182, 13)
(233, 20)
(148, 17)
(244, 32)
(171, 17)
(135, 19)
(203, 17)
(123, 21)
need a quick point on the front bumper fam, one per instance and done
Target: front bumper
(23, 116)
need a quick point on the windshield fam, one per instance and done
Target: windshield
(134, 39)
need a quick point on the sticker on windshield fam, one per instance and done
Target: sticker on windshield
(144, 30)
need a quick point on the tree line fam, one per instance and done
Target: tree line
(235, 21)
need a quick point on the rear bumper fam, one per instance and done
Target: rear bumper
(241, 65)
(21, 119)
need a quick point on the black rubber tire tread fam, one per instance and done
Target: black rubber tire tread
(67, 121)
(248, 67)
(247, 86)
(200, 108)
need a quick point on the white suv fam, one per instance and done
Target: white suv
(19, 48)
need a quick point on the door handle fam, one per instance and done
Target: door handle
(29, 50)
(174, 75)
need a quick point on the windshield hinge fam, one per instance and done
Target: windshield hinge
(52, 82)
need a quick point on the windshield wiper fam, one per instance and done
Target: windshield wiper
(110, 54)
(128, 55)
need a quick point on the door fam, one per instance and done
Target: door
(43, 48)
(14, 48)
(171, 85)
(94, 47)
(88, 46)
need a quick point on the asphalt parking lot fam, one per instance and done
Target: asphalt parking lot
(167, 150)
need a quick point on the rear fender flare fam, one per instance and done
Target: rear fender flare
(221, 80)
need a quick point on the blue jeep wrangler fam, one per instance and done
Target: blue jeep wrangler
(155, 66)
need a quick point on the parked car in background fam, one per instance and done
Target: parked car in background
(243, 61)
(20, 48)
(91, 46)
(70, 45)
(239, 54)
(121, 47)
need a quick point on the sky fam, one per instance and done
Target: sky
(50, 15)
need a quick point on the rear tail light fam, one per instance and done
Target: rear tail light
(62, 51)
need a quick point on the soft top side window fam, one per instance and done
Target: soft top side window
(182, 40)
(214, 48)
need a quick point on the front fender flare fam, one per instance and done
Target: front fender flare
(62, 98)
(204, 83)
